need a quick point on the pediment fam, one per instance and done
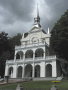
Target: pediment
(35, 28)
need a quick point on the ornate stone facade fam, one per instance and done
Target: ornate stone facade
(32, 58)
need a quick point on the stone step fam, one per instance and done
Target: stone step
(34, 79)
(43, 79)
(19, 79)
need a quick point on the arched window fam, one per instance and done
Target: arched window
(10, 72)
(29, 54)
(39, 52)
(28, 70)
(19, 55)
(48, 70)
(19, 72)
(37, 71)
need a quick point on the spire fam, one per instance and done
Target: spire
(37, 18)
(37, 11)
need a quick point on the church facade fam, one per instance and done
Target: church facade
(32, 58)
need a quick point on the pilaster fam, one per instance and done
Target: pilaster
(33, 72)
(6, 70)
(42, 69)
(15, 71)
(54, 69)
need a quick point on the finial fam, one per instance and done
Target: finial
(48, 31)
(23, 35)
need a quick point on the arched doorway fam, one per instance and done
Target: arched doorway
(28, 70)
(19, 72)
(39, 52)
(10, 72)
(48, 70)
(37, 71)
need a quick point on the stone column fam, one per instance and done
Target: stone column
(15, 71)
(14, 57)
(33, 56)
(23, 65)
(44, 55)
(6, 70)
(23, 57)
(54, 69)
(23, 71)
(33, 72)
(42, 69)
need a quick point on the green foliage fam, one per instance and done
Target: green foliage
(14, 41)
(4, 51)
(7, 46)
(59, 37)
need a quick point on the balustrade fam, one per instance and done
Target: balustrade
(29, 45)
(32, 59)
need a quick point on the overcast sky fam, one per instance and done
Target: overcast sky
(17, 16)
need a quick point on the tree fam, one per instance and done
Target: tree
(59, 37)
(7, 47)
(59, 41)
(4, 51)
(14, 41)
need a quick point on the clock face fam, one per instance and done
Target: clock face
(35, 40)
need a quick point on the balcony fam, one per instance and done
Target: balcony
(48, 58)
(9, 61)
(29, 45)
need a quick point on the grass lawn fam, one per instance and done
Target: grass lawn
(63, 85)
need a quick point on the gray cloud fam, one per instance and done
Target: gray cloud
(20, 9)
(57, 8)
(17, 15)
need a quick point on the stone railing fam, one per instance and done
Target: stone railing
(9, 61)
(29, 45)
(28, 59)
(39, 58)
(31, 59)
(50, 57)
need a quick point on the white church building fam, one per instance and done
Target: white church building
(32, 58)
